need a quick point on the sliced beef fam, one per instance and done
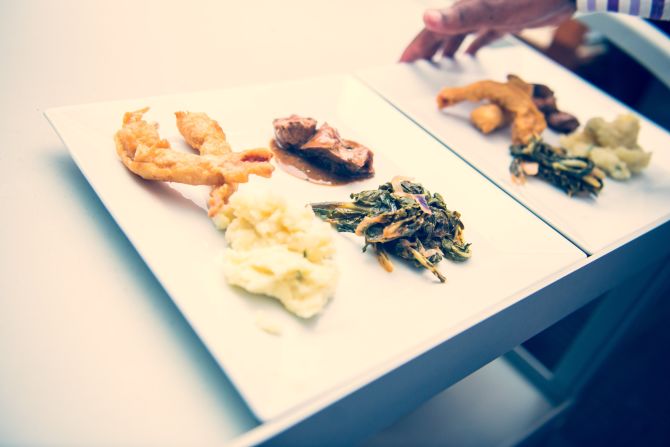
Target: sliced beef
(542, 91)
(559, 121)
(343, 157)
(562, 122)
(546, 105)
(294, 131)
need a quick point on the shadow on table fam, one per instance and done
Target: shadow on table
(160, 301)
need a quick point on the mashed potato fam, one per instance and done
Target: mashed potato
(612, 146)
(279, 250)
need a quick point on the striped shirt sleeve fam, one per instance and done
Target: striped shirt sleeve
(648, 9)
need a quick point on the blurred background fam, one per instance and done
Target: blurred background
(591, 55)
(626, 401)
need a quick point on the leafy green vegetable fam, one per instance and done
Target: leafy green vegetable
(404, 219)
(574, 175)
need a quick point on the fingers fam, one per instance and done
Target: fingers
(451, 45)
(460, 18)
(483, 39)
(447, 28)
(454, 24)
(424, 46)
(467, 16)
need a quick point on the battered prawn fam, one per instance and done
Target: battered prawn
(527, 122)
(202, 133)
(206, 136)
(488, 117)
(144, 153)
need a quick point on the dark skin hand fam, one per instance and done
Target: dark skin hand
(445, 29)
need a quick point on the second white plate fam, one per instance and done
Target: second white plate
(622, 210)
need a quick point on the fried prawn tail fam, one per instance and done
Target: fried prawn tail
(202, 133)
(144, 153)
(528, 122)
(206, 136)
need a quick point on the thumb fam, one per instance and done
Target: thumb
(463, 17)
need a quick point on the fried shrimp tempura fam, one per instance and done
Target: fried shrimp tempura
(206, 136)
(218, 197)
(488, 117)
(135, 132)
(519, 83)
(202, 133)
(528, 121)
(143, 152)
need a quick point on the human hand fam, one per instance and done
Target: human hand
(488, 19)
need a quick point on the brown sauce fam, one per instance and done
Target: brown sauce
(300, 168)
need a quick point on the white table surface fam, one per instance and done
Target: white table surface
(92, 350)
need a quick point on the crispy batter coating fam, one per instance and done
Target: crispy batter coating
(218, 197)
(136, 131)
(519, 83)
(528, 121)
(168, 165)
(206, 136)
(488, 117)
(143, 152)
(202, 133)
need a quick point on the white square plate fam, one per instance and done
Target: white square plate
(376, 319)
(621, 210)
